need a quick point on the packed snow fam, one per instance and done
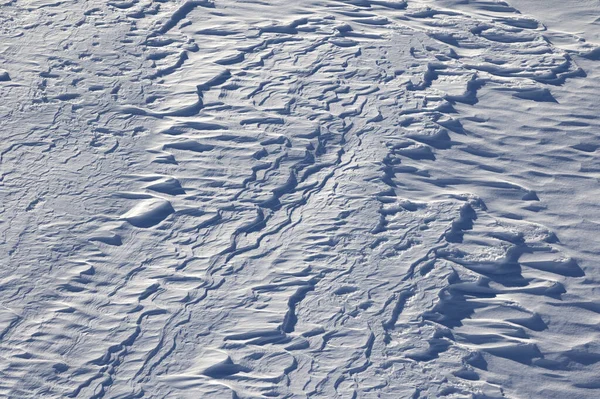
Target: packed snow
(310, 199)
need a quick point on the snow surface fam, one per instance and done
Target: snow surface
(319, 198)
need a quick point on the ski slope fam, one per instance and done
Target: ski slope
(321, 198)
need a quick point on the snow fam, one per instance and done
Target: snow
(326, 198)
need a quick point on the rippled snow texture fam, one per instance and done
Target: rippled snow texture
(321, 198)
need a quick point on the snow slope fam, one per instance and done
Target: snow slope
(322, 198)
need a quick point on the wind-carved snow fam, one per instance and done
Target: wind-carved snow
(317, 199)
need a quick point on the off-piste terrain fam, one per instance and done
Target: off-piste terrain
(299, 199)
